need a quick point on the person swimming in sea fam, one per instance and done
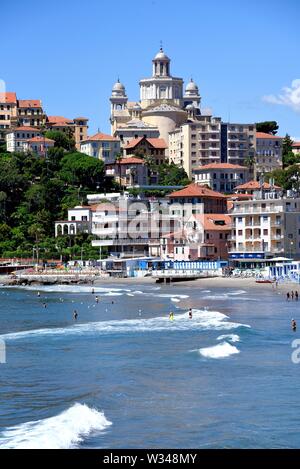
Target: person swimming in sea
(75, 314)
(38, 294)
(190, 313)
(294, 325)
(97, 299)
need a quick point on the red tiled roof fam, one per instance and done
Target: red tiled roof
(24, 128)
(41, 139)
(133, 142)
(158, 143)
(207, 220)
(80, 119)
(57, 119)
(196, 190)
(130, 160)
(221, 166)
(29, 103)
(63, 124)
(256, 185)
(265, 135)
(296, 144)
(8, 97)
(100, 136)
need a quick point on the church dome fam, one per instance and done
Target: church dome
(189, 107)
(118, 86)
(161, 55)
(191, 86)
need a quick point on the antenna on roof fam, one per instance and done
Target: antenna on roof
(161, 44)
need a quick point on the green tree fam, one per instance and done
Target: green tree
(288, 157)
(62, 140)
(268, 127)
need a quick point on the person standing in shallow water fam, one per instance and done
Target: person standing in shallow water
(296, 295)
(288, 296)
(190, 313)
(75, 314)
(294, 325)
(292, 294)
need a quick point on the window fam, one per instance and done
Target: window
(240, 232)
(73, 218)
(265, 232)
(240, 219)
(84, 218)
(221, 235)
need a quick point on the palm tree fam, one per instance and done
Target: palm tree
(250, 163)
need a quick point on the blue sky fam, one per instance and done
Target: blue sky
(70, 52)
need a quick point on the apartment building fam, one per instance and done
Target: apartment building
(196, 143)
(203, 236)
(101, 146)
(207, 140)
(30, 113)
(268, 153)
(221, 177)
(17, 139)
(76, 128)
(129, 172)
(264, 227)
(8, 112)
(238, 142)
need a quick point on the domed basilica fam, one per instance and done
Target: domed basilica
(162, 107)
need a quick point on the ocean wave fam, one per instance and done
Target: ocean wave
(65, 430)
(230, 337)
(222, 350)
(202, 320)
(69, 288)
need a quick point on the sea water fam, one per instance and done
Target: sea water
(124, 376)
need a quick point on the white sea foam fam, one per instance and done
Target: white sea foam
(202, 320)
(71, 288)
(229, 337)
(65, 430)
(175, 300)
(222, 350)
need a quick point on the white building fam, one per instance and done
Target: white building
(221, 177)
(265, 226)
(101, 146)
(79, 221)
(268, 153)
(17, 139)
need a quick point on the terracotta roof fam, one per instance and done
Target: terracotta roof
(265, 135)
(8, 97)
(133, 142)
(154, 142)
(63, 124)
(296, 144)
(80, 119)
(41, 139)
(130, 160)
(24, 128)
(196, 190)
(29, 103)
(57, 119)
(256, 185)
(100, 136)
(208, 221)
(221, 166)
(157, 142)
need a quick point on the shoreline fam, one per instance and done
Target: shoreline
(207, 282)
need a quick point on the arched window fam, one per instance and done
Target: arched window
(65, 230)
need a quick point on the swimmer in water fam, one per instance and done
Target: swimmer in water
(190, 313)
(75, 314)
(294, 325)
(38, 294)
(45, 305)
(97, 299)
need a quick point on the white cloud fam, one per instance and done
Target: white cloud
(289, 96)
